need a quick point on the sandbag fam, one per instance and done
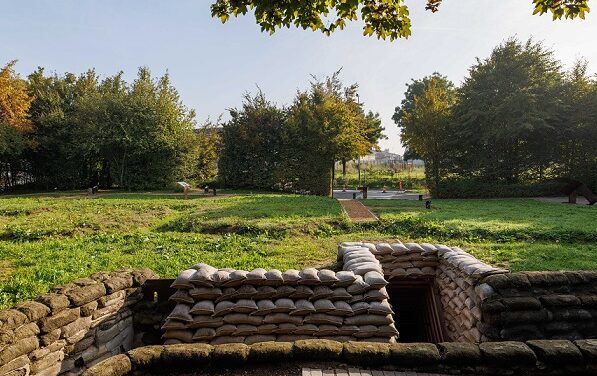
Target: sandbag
(174, 325)
(364, 268)
(203, 276)
(327, 277)
(264, 307)
(359, 308)
(203, 307)
(284, 305)
(181, 335)
(340, 293)
(284, 292)
(345, 278)
(204, 334)
(274, 277)
(380, 308)
(306, 329)
(220, 277)
(250, 340)
(308, 277)
(302, 292)
(236, 278)
(303, 307)
(347, 330)
(245, 306)
(382, 249)
(327, 330)
(227, 339)
(225, 330)
(366, 331)
(323, 306)
(285, 328)
(341, 308)
(183, 281)
(245, 330)
(387, 330)
(256, 276)
(279, 318)
(209, 293)
(369, 320)
(266, 328)
(204, 321)
(242, 318)
(182, 296)
(228, 293)
(264, 292)
(321, 292)
(245, 292)
(291, 338)
(291, 277)
(181, 312)
(322, 318)
(223, 308)
(375, 280)
(375, 295)
(359, 286)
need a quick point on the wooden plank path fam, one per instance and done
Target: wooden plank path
(357, 212)
(361, 372)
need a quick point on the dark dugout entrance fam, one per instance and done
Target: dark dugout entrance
(417, 310)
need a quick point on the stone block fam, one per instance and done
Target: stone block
(106, 335)
(15, 350)
(459, 353)
(11, 319)
(50, 337)
(33, 310)
(412, 354)
(27, 330)
(556, 352)
(588, 347)
(118, 365)
(14, 364)
(59, 319)
(114, 298)
(118, 282)
(84, 294)
(188, 355)
(89, 308)
(367, 353)
(146, 356)
(271, 352)
(230, 354)
(142, 275)
(56, 302)
(47, 361)
(82, 323)
(317, 349)
(507, 353)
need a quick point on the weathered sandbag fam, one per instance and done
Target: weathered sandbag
(356, 261)
(363, 269)
(309, 277)
(291, 338)
(327, 277)
(398, 273)
(181, 335)
(360, 308)
(245, 306)
(428, 270)
(380, 308)
(382, 249)
(220, 277)
(340, 293)
(174, 325)
(399, 249)
(228, 293)
(375, 280)
(414, 247)
(204, 334)
(205, 321)
(203, 276)
(369, 320)
(339, 338)
(284, 305)
(242, 318)
(302, 307)
(323, 306)
(359, 286)
(279, 318)
(183, 281)
(341, 309)
(285, 328)
(203, 307)
(327, 330)
(377, 340)
(264, 292)
(227, 339)
(402, 265)
(274, 277)
(347, 330)
(223, 308)
(302, 292)
(172, 342)
(376, 295)
(251, 340)
(236, 278)
(366, 331)
(266, 328)
(256, 276)
(182, 296)
(291, 277)
(306, 329)
(181, 312)
(225, 330)
(284, 292)
(356, 298)
(264, 307)
(245, 330)
(345, 278)
(209, 293)
(322, 318)
(387, 330)
(321, 292)
(245, 292)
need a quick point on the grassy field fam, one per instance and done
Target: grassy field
(378, 176)
(47, 240)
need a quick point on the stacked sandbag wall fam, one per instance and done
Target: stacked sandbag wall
(219, 306)
(73, 327)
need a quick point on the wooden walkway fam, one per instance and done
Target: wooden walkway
(357, 212)
(361, 372)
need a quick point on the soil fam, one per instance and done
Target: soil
(357, 212)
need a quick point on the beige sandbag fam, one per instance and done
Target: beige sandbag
(183, 281)
(264, 307)
(236, 278)
(321, 292)
(203, 307)
(322, 318)
(323, 306)
(181, 335)
(340, 293)
(359, 308)
(375, 280)
(204, 334)
(245, 292)
(256, 276)
(203, 276)
(284, 292)
(365, 268)
(209, 293)
(345, 278)
(220, 277)
(274, 277)
(284, 305)
(341, 308)
(306, 329)
(309, 277)
(359, 286)
(223, 308)
(399, 249)
(291, 277)
(302, 292)
(382, 249)
(279, 318)
(327, 277)
(251, 340)
(264, 292)
(225, 330)
(205, 321)
(347, 330)
(226, 339)
(414, 247)
(181, 313)
(174, 325)
(245, 306)
(303, 307)
(327, 330)
(369, 320)
(181, 296)
(380, 308)
(366, 331)
(267, 328)
(245, 330)
(242, 318)
(352, 262)
(285, 328)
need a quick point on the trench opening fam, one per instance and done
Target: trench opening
(417, 312)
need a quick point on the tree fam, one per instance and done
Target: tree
(209, 143)
(424, 118)
(383, 18)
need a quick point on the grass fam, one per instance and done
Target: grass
(378, 176)
(51, 239)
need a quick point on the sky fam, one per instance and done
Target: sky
(213, 64)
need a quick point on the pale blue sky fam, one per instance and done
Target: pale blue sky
(213, 64)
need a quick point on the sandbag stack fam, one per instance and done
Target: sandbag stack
(406, 260)
(233, 306)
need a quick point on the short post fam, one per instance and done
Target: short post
(420, 197)
(214, 191)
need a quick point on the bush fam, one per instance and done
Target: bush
(477, 189)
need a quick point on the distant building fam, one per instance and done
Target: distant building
(382, 157)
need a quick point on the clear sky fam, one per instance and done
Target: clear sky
(212, 64)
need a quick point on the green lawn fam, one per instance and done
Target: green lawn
(47, 240)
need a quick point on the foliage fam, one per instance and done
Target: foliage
(383, 18)
(208, 143)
